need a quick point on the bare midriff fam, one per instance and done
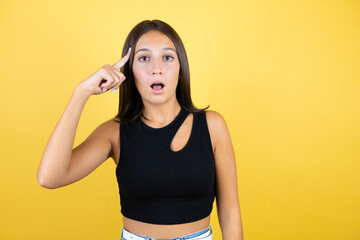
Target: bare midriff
(164, 231)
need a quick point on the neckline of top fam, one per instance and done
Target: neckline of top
(181, 112)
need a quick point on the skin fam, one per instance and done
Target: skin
(155, 59)
(62, 165)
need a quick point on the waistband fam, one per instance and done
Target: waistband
(205, 234)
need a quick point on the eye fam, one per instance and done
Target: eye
(168, 57)
(142, 57)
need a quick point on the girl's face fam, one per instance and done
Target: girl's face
(156, 60)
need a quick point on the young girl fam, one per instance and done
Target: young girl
(172, 158)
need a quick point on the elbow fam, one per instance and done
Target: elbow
(45, 183)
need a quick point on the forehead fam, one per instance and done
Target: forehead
(154, 39)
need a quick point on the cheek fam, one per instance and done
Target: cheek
(176, 72)
(173, 68)
(138, 83)
(135, 70)
(138, 73)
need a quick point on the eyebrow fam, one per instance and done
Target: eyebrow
(146, 49)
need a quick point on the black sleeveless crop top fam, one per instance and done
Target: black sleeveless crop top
(160, 186)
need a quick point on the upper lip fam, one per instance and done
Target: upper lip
(157, 82)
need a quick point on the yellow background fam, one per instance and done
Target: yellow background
(284, 74)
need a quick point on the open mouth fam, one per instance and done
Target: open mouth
(157, 86)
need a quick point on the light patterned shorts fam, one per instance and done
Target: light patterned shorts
(205, 234)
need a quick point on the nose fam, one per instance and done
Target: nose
(157, 69)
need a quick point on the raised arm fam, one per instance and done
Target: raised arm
(60, 164)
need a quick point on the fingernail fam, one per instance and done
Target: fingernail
(129, 49)
(103, 89)
(113, 90)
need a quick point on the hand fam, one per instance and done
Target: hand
(107, 77)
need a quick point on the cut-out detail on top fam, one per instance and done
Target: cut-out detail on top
(181, 138)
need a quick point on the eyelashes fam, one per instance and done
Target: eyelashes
(168, 58)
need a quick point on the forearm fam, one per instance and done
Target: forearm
(231, 228)
(57, 154)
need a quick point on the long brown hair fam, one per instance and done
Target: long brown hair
(130, 102)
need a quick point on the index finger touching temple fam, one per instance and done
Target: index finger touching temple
(123, 60)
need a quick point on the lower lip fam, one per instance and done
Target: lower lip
(157, 91)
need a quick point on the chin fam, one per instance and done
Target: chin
(158, 99)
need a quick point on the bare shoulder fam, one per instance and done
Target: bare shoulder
(215, 120)
(217, 126)
(111, 128)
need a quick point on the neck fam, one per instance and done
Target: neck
(161, 115)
